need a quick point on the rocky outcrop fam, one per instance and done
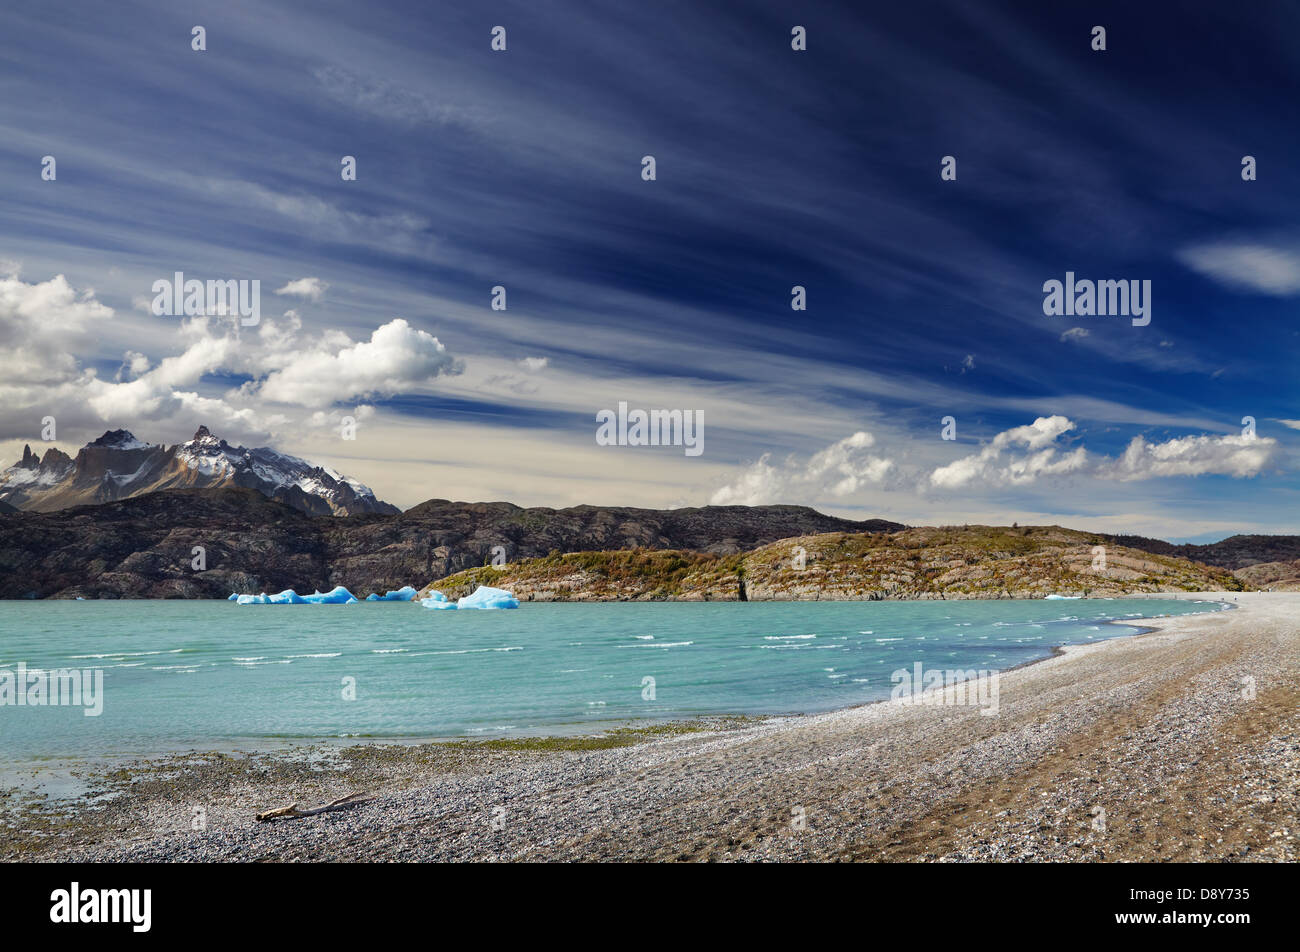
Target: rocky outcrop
(921, 563)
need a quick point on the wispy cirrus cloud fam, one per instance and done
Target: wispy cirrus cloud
(1261, 268)
(386, 99)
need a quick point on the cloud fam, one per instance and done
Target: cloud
(311, 288)
(387, 100)
(134, 364)
(534, 364)
(397, 358)
(1239, 456)
(334, 419)
(996, 464)
(1022, 455)
(40, 325)
(1075, 333)
(839, 470)
(38, 322)
(1293, 424)
(1248, 267)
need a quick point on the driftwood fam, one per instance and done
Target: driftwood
(291, 812)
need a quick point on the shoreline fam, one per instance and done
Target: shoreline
(1150, 728)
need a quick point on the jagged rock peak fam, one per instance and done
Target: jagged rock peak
(118, 440)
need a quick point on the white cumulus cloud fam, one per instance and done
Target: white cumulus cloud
(311, 288)
(396, 359)
(999, 463)
(839, 470)
(1231, 455)
(1023, 454)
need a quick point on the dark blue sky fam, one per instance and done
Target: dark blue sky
(775, 168)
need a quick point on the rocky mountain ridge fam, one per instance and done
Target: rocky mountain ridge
(118, 466)
(143, 547)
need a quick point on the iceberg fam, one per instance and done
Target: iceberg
(1062, 598)
(403, 594)
(335, 596)
(486, 597)
(338, 595)
(437, 600)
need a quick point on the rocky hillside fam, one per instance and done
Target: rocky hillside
(142, 547)
(950, 562)
(119, 466)
(1235, 552)
(1261, 561)
(1272, 576)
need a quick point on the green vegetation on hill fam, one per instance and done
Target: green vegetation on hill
(941, 562)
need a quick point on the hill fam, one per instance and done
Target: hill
(948, 562)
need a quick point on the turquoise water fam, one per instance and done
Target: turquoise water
(184, 674)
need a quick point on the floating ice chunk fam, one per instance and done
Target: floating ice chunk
(403, 594)
(485, 596)
(336, 596)
(234, 597)
(287, 597)
(437, 600)
(1063, 598)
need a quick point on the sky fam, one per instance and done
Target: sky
(820, 168)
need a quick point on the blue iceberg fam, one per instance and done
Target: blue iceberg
(338, 595)
(437, 600)
(485, 596)
(335, 596)
(403, 594)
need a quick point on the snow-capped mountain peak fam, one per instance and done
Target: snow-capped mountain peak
(117, 465)
(120, 440)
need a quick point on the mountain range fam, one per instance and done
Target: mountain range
(119, 466)
(144, 546)
(128, 519)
